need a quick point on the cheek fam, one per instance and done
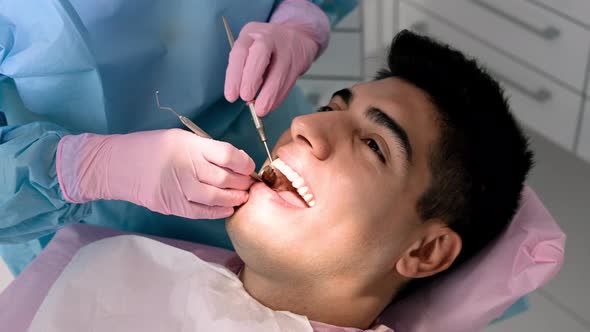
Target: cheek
(284, 139)
(369, 215)
(371, 244)
(352, 216)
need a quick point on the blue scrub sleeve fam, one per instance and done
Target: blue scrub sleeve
(336, 10)
(31, 202)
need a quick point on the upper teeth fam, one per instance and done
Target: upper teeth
(296, 181)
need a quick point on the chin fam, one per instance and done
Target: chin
(260, 231)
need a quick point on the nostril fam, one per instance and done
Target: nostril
(305, 140)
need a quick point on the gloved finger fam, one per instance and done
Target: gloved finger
(224, 178)
(258, 59)
(201, 211)
(228, 156)
(213, 196)
(235, 67)
(272, 88)
(187, 209)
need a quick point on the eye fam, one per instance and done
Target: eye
(372, 144)
(325, 109)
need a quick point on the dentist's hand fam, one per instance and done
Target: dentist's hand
(167, 171)
(269, 57)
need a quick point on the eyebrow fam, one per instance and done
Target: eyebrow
(381, 118)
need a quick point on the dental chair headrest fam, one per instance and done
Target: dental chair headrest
(525, 257)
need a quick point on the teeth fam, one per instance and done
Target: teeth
(285, 169)
(296, 181)
(292, 176)
(302, 190)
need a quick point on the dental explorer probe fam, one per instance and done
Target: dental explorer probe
(195, 129)
(257, 121)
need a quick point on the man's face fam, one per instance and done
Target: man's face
(366, 164)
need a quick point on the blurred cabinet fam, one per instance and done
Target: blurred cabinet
(536, 100)
(538, 49)
(341, 64)
(584, 145)
(341, 60)
(319, 92)
(536, 37)
(576, 10)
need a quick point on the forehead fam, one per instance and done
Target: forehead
(406, 103)
(398, 93)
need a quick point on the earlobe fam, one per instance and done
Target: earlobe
(430, 255)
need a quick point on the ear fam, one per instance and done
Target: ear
(432, 253)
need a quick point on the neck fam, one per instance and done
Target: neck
(337, 301)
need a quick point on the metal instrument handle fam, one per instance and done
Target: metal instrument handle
(255, 118)
(230, 35)
(193, 127)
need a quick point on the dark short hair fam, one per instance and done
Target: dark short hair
(481, 159)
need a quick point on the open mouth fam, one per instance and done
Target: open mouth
(287, 183)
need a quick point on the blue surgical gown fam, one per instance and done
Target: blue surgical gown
(69, 67)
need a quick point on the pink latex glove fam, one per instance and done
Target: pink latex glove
(271, 56)
(167, 171)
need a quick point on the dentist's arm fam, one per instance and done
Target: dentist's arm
(271, 56)
(31, 202)
(48, 177)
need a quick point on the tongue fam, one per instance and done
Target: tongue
(292, 198)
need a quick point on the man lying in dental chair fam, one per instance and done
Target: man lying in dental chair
(394, 183)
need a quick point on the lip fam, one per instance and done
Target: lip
(273, 196)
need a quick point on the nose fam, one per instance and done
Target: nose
(317, 132)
